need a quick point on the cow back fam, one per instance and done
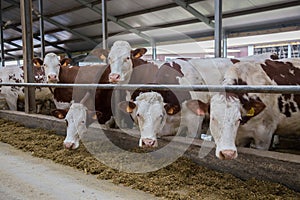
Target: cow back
(166, 75)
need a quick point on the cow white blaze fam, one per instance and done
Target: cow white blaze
(224, 121)
(51, 66)
(120, 62)
(76, 125)
(149, 114)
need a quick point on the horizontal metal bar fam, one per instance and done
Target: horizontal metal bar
(282, 89)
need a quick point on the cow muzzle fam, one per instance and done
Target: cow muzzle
(71, 145)
(228, 154)
(114, 78)
(146, 142)
(52, 78)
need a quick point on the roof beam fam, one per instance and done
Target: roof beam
(47, 42)
(194, 12)
(58, 24)
(117, 21)
(184, 22)
(154, 9)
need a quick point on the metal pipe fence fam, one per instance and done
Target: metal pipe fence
(282, 89)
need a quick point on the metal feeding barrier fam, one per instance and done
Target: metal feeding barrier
(282, 89)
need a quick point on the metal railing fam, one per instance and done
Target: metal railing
(282, 89)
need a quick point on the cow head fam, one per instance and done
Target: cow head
(78, 119)
(149, 112)
(76, 125)
(51, 66)
(120, 59)
(227, 113)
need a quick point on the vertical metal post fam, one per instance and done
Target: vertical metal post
(289, 55)
(26, 21)
(104, 24)
(154, 52)
(218, 28)
(225, 52)
(250, 50)
(42, 32)
(2, 38)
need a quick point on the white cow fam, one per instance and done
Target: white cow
(252, 118)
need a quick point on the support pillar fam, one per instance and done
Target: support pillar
(218, 28)
(2, 39)
(26, 21)
(42, 32)
(104, 24)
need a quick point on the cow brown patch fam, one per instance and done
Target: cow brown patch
(246, 101)
(284, 73)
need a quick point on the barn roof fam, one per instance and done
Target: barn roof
(74, 26)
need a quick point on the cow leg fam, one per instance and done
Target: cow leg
(12, 101)
(39, 106)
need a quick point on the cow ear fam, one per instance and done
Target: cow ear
(95, 114)
(256, 106)
(127, 106)
(65, 61)
(59, 113)
(197, 107)
(37, 62)
(233, 60)
(172, 109)
(100, 53)
(137, 53)
(274, 56)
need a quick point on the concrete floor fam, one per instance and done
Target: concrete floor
(26, 177)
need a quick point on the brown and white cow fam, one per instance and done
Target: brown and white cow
(179, 71)
(166, 103)
(88, 104)
(121, 59)
(16, 75)
(209, 71)
(240, 119)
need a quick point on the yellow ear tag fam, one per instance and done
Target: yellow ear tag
(128, 109)
(137, 55)
(251, 112)
(170, 111)
(94, 116)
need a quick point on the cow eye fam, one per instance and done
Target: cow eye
(161, 118)
(127, 58)
(138, 114)
(82, 121)
(67, 123)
